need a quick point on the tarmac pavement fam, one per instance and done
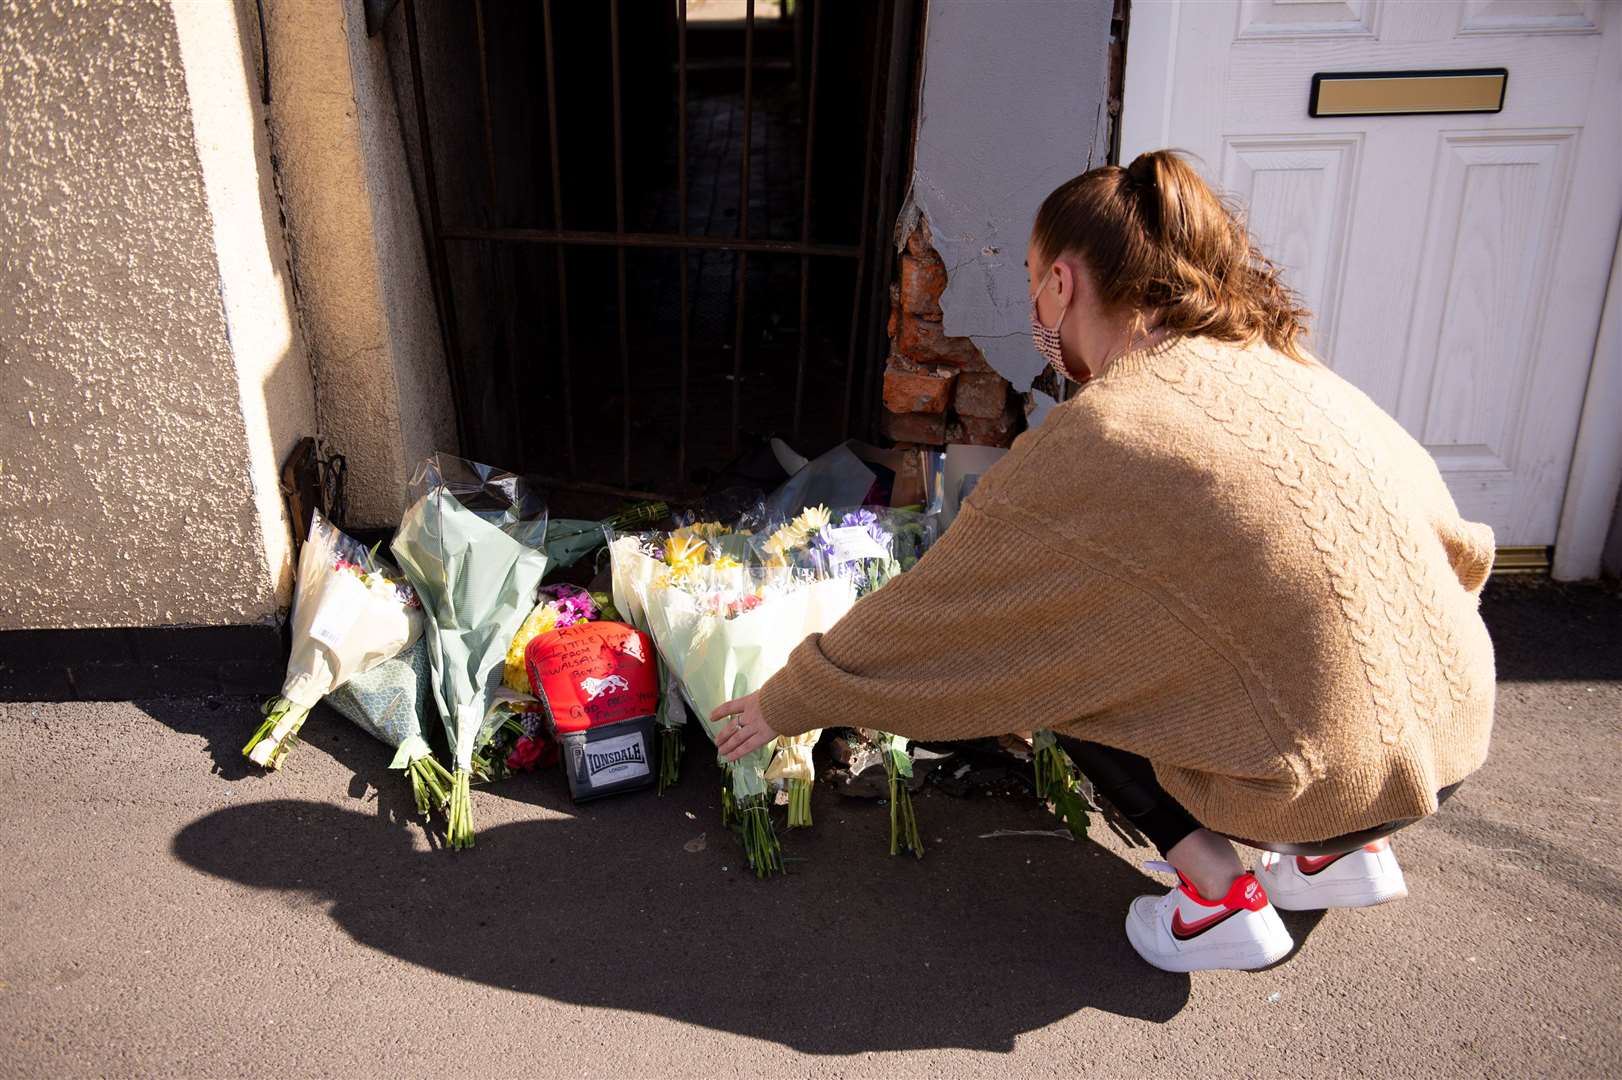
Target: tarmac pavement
(166, 911)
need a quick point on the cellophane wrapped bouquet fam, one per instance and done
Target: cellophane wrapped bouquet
(351, 612)
(473, 546)
(390, 703)
(633, 579)
(725, 609)
(871, 546)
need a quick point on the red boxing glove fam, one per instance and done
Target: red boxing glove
(593, 673)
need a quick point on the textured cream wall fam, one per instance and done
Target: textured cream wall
(133, 490)
(363, 289)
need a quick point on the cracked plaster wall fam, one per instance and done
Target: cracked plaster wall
(150, 377)
(1013, 104)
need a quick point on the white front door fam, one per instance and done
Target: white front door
(1457, 264)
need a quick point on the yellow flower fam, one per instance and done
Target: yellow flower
(726, 562)
(541, 619)
(784, 540)
(709, 530)
(684, 552)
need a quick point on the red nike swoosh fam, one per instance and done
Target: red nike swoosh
(1310, 865)
(1183, 931)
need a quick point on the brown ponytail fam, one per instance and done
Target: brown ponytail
(1156, 238)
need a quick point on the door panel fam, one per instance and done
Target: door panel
(1299, 192)
(1456, 264)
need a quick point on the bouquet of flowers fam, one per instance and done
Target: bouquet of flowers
(351, 612)
(724, 623)
(390, 703)
(696, 542)
(520, 743)
(472, 545)
(871, 546)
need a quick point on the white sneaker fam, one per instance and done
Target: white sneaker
(1183, 931)
(1360, 878)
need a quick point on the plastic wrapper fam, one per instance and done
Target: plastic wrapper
(724, 621)
(351, 612)
(837, 478)
(473, 546)
(390, 703)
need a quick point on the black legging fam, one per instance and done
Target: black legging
(1128, 782)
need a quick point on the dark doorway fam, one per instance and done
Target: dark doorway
(658, 228)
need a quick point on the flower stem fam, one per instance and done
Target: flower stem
(799, 804)
(459, 829)
(431, 783)
(903, 821)
(277, 735)
(1058, 785)
(760, 845)
(670, 749)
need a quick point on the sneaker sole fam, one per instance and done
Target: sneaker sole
(1352, 894)
(1228, 958)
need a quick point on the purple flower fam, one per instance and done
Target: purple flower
(573, 604)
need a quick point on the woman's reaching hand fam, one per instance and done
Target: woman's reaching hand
(747, 731)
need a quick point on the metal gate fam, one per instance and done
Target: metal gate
(678, 410)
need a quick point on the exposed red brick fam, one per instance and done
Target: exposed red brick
(981, 395)
(925, 428)
(997, 431)
(923, 342)
(894, 325)
(911, 389)
(922, 282)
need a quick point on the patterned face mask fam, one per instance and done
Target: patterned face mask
(1046, 339)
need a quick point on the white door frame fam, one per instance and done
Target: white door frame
(1595, 479)
(1596, 462)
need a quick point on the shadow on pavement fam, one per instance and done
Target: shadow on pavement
(853, 951)
(1550, 630)
(225, 723)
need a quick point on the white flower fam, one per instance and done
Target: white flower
(812, 519)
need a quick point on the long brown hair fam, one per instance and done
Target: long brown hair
(1155, 237)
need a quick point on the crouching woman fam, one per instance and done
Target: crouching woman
(1238, 589)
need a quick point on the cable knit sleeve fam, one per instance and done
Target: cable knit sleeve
(992, 632)
(1470, 551)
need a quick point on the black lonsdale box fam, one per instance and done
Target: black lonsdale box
(610, 759)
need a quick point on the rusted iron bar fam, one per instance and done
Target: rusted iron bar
(681, 210)
(805, 219)
(743, 215)
(868, 134)
(565, 364)
(619, 248)
(575, 237)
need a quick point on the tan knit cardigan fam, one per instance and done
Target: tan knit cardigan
(1231, 563)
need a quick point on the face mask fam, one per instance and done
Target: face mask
(1045, 339)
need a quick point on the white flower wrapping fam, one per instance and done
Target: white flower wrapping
(717, 658)
(343, 625)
